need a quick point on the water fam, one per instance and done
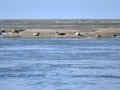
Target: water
(59, 64)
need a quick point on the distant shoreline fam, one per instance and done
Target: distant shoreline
(60, 28)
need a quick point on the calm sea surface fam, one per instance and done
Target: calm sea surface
(59, 64)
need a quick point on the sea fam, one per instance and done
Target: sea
(59, 64)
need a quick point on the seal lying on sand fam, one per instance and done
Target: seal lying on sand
(36, 34)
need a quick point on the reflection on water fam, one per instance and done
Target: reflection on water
(59, 64)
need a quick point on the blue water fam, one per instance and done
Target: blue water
(59, 64)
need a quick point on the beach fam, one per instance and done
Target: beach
(60, 28)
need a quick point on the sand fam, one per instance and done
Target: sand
(60, 28)
(56, 33)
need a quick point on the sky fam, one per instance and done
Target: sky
(59, 9)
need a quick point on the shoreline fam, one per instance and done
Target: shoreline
(60, 28)
(57, 33)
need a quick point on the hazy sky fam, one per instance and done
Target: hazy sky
(42, 9)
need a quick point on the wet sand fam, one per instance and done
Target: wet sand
(60, 28)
